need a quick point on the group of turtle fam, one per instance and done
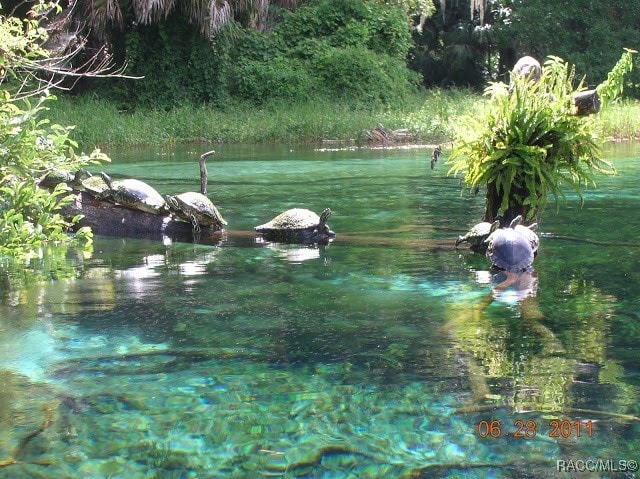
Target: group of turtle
(294, 225)
(511, 249)
(138, 195)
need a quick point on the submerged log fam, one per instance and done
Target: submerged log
(109, 219)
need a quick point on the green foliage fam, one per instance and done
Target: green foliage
(279, 78)
(30, 147)
(323, 49)
(177, 64)
(363, 75)
(370, 25)
(351, 49)
(587, 34)
(528, 143)
(426, 114)
(612, 88)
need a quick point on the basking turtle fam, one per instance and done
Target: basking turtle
(298, 225)
(133, 194)
(72, 179)
(527, 231)
(94, 185)
(513, 248)
(477, 236)
(196, 208)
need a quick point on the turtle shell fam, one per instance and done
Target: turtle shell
(510, 250)
(134, 194)
(55, 177)
(529, 233)
(298, 225)
(295, 219)
(198, 205)
(72, 179)
(94, 185)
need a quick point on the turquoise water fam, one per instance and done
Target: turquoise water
(386, 354)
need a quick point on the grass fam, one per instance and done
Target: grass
(100, 124)
(619, 122)
(427, 116)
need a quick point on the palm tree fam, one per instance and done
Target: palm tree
(80, 33)
(209, 15)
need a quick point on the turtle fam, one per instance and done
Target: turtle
(197, 208)
(72, 179)
(527, 231)
(513, 248)
(477, 235)
(298, 225)
(134, 194)
(93, 185)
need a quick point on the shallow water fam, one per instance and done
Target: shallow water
(384, 354)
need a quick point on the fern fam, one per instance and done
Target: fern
(529, 144)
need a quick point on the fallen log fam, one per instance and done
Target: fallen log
(109, 219)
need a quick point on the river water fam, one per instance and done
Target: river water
(385, 354)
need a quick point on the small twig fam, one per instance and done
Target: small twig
(203, 171)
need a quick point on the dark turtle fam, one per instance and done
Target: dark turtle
(298, 225)
(56, 177)
(477, 236)
(513, 248)
(133, 194)
(196, 208)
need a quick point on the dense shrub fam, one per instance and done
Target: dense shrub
(362, 74)
(277, 78)
(352, 48)
(349, 23)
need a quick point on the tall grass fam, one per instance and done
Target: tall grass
(428, 117)
(98, 123)
(621, 121)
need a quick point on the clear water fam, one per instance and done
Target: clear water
(386, 354)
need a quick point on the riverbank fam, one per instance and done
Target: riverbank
(425, 117)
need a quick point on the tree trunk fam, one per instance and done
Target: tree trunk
(494, 199)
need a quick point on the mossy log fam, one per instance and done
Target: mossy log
(109, 219)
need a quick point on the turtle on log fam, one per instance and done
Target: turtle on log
(196, 208)
(477, 236)
(513, 248)
(298, 225)
(134, 194)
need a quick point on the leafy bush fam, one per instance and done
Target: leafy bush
(363, 75)
(30, 148)
(278, 78)
(348, 49)
(374, 26)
